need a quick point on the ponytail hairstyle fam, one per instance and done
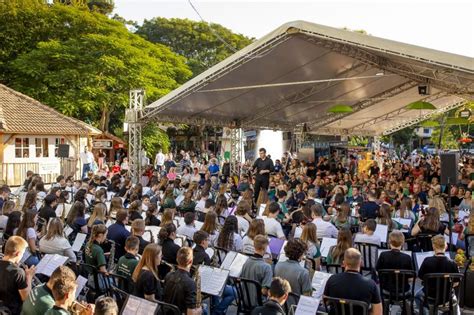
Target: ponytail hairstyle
(166, 232)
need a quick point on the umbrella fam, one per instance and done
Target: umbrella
(338, 109)
(430, 124)
(457, 121)
(421, 105)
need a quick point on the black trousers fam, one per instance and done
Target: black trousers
(260, 182)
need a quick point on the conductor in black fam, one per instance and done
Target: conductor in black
(262, 167)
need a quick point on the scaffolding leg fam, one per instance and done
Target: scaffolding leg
(132, 116)
(235, 150)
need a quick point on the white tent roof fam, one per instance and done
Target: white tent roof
(297, 72)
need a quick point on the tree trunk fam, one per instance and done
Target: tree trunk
(104, 119)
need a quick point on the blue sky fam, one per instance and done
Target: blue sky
(441, 25)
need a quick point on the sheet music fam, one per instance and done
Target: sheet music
(78, 242)
(237, 264)
(209, 251)
(198, 224)
(146, 190)
(213, 279)
(326, 245)
(307, 306)
(49, 263)
(179, 240)
(128, 228)
(420, 257)
(136, 305)
(319, 283)
(89, 198)
(298, 232)
(227, 196)
(444, 217)
(81, 283)
(154, 230)
(382, 232)
(179, 199)
(403, 221)
(59, 210)
(110, 194)
(68, 230)
(454, 238)
(67, 208)
(261, 209)
(229, 258)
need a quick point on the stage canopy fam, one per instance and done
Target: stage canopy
(295, 74)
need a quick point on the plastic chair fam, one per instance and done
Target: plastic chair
(392, 288)
(344, 306)
(442, 285)
(249, 295)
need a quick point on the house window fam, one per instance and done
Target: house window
(57, 142)
(41, 146)
(22, 147)
(426, 130)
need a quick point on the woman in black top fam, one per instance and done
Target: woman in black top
(428, 223)
(145, 276)
(166, 237)
(151, 218)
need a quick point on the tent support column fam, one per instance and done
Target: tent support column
(132, 117)
(235, 150)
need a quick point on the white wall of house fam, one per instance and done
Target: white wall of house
(18, 151)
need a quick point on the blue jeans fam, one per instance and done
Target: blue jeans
(220, 305)
(85, 169)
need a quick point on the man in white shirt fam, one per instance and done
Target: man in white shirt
(272, 226)
(324, 228)
(87, 159)
(159, 160)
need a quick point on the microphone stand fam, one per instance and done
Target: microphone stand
(450, 228)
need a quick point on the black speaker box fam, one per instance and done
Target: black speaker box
(449, 168)
(63, 150)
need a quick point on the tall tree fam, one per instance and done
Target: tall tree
(197, 41)
(87, 72)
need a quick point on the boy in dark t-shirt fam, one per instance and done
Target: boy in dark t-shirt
(15, 284)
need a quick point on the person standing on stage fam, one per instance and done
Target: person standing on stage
(263, 166)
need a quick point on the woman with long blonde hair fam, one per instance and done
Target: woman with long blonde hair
(116, 204)
(336, 253)
(167, 217)
(54, 242)
(145, 276)
(98, 216)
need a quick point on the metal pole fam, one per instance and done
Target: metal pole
(132, 116)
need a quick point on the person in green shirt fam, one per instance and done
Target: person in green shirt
(283, 215)
(94, 254)
(127, 263)
(41, 299)
(64, 292)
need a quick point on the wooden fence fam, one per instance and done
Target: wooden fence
(14, 174)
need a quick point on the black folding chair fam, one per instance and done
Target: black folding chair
(100, 283)
(393, 289)
(340, 306)
(423, 242)
(123, 283)
(249, 294)
(334, 268)
(293, 299)
(220, 254)
(118, 295)
(469, 242)
(168, 309)
(369, 256)
(439, 292)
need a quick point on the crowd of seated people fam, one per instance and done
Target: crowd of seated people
(148, 240)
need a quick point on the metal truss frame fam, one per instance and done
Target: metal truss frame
(393, 113)
(150, 112)
(300, 96)
(236, 135)
(132, 117)
(421, 118)
(330, 118)
(441, 78)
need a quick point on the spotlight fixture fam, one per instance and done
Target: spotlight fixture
(424, 89)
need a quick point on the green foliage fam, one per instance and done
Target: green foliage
(154, 139)
(358, 141)
(448, 141)
(87, 71)
(403, 136)
(194, 40)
